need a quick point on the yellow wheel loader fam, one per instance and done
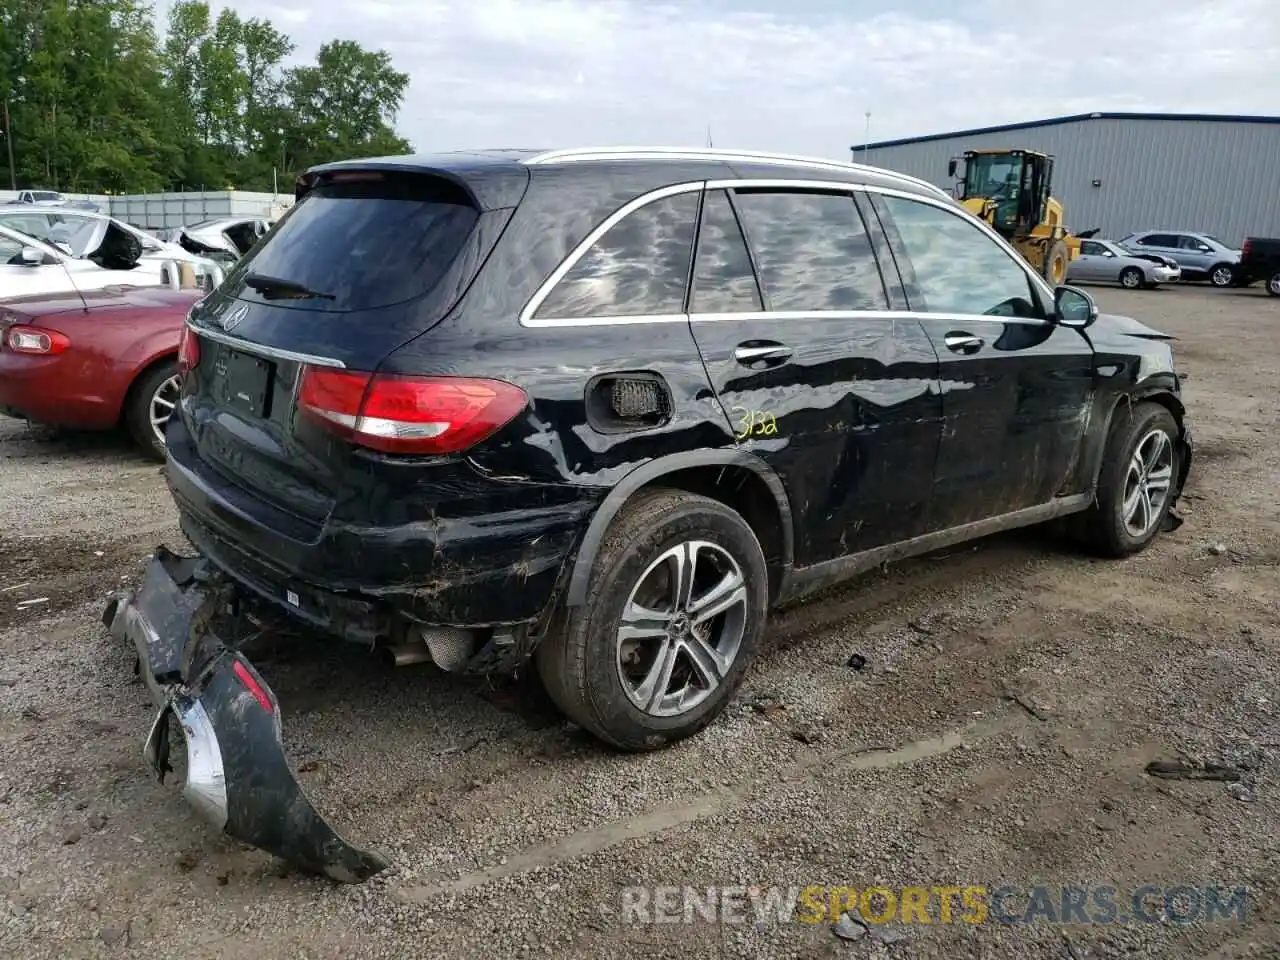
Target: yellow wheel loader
(1010, 190)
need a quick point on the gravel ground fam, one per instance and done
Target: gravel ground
(1013, 694)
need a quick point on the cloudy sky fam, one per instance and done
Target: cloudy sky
(790, 75)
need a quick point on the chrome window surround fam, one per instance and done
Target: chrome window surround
(527, 318)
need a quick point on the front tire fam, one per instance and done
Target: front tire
(152, 399)
(1056, 260)
(1222, 275)
(1136, 485)
(675, 608)
(1131, 278)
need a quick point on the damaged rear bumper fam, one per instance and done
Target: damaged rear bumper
(238, 776)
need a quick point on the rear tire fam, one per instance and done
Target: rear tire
(147, 401)
(1273, 285)
(1140, 470)
(1131, 278)
(1221, 275)
(1056, 260)
(624, 684)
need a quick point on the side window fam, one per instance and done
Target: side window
(10, 251)
(32, 224)
(640, 267)
(723, 279)
(1091, 249)
(958, 268)
(1159, 240)
(812, 251)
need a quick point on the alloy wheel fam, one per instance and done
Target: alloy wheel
(1221, 276)
(1147, 483)
(162, 403)
(1131, 280)
(681, 628)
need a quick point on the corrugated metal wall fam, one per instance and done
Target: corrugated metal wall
(1218, 177)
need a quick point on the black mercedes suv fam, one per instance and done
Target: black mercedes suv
(604, 408)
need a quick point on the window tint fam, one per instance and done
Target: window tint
(723, 280)
(958, 268)
(812, 251)
(368, 242)
(1159, 240)
(640, 267)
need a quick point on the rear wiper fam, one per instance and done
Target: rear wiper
(274, 288)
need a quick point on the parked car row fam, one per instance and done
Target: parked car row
(91, 313)
(1149, 258)
(90, 250)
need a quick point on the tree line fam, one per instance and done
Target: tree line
(95, 100)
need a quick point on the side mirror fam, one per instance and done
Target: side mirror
(1073, 307)
(32, 256)
(951, 167)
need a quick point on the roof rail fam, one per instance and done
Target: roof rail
(585, 154)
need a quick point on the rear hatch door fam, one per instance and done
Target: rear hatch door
(362, 263)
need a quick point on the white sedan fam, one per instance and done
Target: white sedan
(82, 234)
(30, 266)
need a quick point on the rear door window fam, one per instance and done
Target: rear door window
(811, 250)
(1159, 240)
(723, 278)
(365, 243)
(638, 268)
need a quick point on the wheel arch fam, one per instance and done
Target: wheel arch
(737, 479)
(140, 374)
(1159, 390)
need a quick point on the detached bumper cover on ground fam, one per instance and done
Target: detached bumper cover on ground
(238, 776)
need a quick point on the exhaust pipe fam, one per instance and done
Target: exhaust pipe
(449, 648)
(404, 654)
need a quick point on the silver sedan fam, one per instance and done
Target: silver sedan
(1104, 261)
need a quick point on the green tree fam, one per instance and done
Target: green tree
(344, 106)
(92, 100)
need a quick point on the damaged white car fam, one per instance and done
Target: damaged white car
(87, 236)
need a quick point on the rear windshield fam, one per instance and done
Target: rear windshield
(364, 243)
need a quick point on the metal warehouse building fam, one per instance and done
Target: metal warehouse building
(1130, 171)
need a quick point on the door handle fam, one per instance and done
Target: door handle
(776, 352)
(963, 343)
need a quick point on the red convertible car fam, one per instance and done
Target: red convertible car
(96, 360)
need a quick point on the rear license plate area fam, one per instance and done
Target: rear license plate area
(243, 382)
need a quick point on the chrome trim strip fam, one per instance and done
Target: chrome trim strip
(947, 203)
(262, 350)
(605, 321)
(586, 154)
(567, 264)
(783, 315)
(206, 786)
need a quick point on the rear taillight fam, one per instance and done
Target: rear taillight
(413, 415)
(188, 349)
(1244, 249)
(36, 340)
